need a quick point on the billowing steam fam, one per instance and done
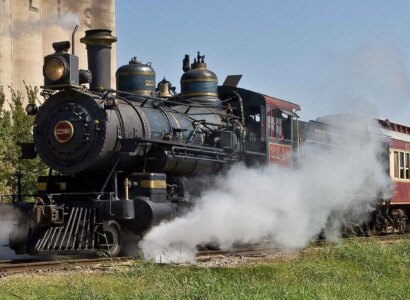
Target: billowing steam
(65, 22)
(287, 207)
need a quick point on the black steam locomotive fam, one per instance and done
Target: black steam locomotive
(120, 159)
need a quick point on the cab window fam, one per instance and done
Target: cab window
(253, 123)
(275, 125)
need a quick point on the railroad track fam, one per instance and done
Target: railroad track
(267, 249)
(8, 267)
(256, 250)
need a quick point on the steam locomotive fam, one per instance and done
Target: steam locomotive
(120, 159)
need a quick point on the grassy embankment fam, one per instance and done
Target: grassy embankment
(351, 270)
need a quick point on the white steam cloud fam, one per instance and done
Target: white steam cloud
(287, 207)
(66, 21)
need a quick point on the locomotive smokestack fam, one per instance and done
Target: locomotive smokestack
(98, 43)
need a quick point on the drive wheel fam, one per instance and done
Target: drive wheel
(110, 240)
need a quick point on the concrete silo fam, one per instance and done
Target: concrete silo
(5, 43)
(20, 40)
(27, 49)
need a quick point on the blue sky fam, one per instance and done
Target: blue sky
(327, 56)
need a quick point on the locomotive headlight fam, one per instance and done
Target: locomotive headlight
(55, 68)
(61, 68)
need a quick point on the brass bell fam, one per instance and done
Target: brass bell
(164, 89)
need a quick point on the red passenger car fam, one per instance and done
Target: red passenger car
(399, 170)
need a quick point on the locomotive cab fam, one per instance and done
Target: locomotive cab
(269, 126)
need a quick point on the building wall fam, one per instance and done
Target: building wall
(27, 49)
(5, 43)
(29, 27)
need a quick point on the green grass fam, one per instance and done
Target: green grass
(351, 270)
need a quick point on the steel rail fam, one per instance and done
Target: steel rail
(268, 248)
(8, 267)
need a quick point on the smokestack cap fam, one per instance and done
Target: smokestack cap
(98, 37)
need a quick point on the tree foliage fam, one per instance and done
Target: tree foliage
(16, 127)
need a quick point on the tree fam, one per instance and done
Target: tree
(16, 127)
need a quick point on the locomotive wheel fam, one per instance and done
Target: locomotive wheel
(110, 240)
